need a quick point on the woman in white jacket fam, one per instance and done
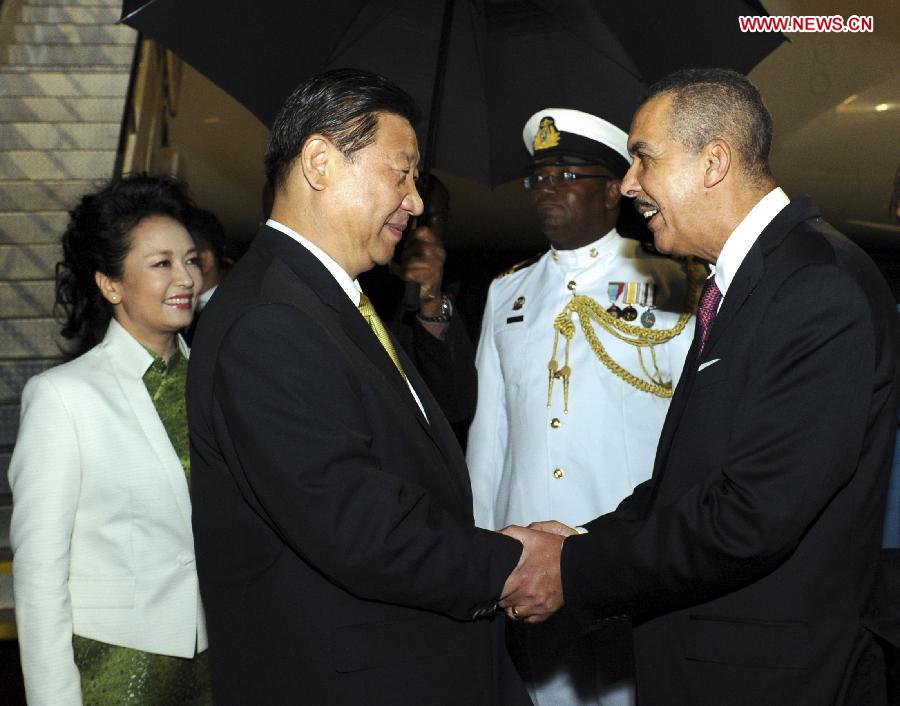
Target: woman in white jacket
(107, 603)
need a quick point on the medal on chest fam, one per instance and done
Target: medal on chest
(614, 290)
(617, 322)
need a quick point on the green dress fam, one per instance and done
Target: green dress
(111, 674)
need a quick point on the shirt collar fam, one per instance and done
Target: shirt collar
(161, 364)
(128, 354)
(348, 284)
(745, 235)
(203, 299)
(602, 248)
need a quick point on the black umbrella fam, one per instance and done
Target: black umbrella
(503, 59)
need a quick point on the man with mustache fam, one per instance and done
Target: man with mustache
(579, 353)
(748, 561)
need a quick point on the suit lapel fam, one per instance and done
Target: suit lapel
(359, 331)
(745, 281)
(127, 359)
(753, 266)
(676, 406)
(306, 268)
(304, 280)
(440, 432)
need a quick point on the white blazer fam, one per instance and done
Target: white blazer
(101, 523)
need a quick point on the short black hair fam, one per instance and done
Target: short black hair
(343, 105)
(98, 238)
(207, 231)
(719, 103)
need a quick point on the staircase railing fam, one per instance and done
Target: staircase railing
(152, 101)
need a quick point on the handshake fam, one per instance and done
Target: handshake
(533, 592)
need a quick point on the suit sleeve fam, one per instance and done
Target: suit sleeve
(310, 457)
(448, 367)
(489, 431)
(45, 477)
(794, 443)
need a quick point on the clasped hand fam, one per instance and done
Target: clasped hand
(533, 591)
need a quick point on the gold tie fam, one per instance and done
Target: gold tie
(368, 312)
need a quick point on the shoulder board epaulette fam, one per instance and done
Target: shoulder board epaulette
(520, 266)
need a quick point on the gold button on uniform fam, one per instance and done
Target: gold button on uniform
(558, 473)
(555, 423)
(593, 252)
(571, 286)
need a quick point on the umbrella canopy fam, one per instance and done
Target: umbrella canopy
(506, 58)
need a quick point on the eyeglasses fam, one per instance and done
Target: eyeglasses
(554, 181)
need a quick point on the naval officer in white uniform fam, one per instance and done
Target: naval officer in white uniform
(579, 353)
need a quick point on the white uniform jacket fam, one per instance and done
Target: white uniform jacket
(101, 524)
(528, 462)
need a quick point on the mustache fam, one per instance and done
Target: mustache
(640, 203)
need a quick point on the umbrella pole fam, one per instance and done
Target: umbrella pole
(437, 92)
(411, 293)
(134, 12)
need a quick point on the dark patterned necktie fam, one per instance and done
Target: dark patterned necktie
(706, 312)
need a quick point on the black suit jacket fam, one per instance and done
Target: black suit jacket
(336, 550)
(188, 333)
(748, 560)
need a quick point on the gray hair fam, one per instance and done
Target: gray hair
(719, 103)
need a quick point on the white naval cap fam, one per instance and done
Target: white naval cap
(560, 134)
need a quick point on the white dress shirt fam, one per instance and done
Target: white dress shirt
(204, 297)
(744, 236)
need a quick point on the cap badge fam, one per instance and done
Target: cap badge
(547, 135)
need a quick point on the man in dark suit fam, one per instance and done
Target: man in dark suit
(748, 561)
(336, 550)
(209, 237)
